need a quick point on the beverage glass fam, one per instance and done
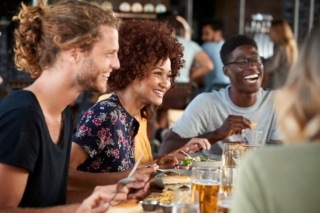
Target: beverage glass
(251, 140)
(231, 153)
(186, 201)
(207, 182)
(228, 178)
(224, 203)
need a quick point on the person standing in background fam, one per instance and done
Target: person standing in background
(192, 53)
(213, 40)
(285, 52)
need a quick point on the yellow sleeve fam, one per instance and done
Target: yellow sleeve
(142, 142)
(141, 139)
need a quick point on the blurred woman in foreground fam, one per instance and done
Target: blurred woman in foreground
(286, 178)
(285, 53)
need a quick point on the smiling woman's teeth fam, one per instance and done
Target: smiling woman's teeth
(158, 92)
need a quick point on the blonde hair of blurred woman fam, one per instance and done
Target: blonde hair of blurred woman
(298, 104)
(281, 34)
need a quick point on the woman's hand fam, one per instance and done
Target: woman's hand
(195, 144)
(191, 147)
(167, 161)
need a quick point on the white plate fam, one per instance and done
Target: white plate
(158, 179)
(212, 164)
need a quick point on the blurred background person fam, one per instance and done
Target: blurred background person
(212, 37)
(286, 178)
(192, 53)
(284, 54)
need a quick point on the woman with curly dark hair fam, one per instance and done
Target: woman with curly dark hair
(150, 59)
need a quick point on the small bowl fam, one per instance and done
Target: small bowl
(166, 207)
(149, 205)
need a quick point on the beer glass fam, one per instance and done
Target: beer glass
(186, 201)
(207, 182)
(251, 140)
(231, 153)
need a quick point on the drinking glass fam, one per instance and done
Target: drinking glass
(207, 182)
(231, 153)
(251, 140)
(224, 203)
(228, 178)
(186, 201)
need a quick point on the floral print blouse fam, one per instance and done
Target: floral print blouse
(106, 132)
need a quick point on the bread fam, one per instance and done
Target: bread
(174, 182)
(127, 206)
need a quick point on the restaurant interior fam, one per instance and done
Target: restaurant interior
(247, 17)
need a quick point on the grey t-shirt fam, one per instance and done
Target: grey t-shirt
(208, 111)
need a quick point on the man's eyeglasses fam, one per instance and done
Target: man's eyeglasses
(244, 62)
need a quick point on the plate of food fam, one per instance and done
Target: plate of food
(173, 179)
(202, 160)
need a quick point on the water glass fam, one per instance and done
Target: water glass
(231, 153)
(228, 179)
(224, 203)
(251, 140)
(186, 201)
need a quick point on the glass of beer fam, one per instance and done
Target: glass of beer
(207, 182)
(186, 201)
(231, 153)
(251, 140)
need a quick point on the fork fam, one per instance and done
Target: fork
(123, 182)
(185, 154)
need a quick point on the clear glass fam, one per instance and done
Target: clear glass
(228, 179)
(224, 203)
(231, 153)
(251, 140)
(186, 201)
(207, 182)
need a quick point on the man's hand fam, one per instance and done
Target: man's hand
(167, 161)
(139, 187)
(97, 202)
(233, 125)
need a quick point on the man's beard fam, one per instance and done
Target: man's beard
(87, 78)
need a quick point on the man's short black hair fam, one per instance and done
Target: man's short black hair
(215, 24)
(232, 43)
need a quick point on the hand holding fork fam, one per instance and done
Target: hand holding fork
(123, 182)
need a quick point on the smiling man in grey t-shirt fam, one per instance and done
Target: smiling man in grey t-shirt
(221, 115)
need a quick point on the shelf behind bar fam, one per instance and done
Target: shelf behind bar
(137, 15)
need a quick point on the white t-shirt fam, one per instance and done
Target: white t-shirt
(208, 111)
(191, 48)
